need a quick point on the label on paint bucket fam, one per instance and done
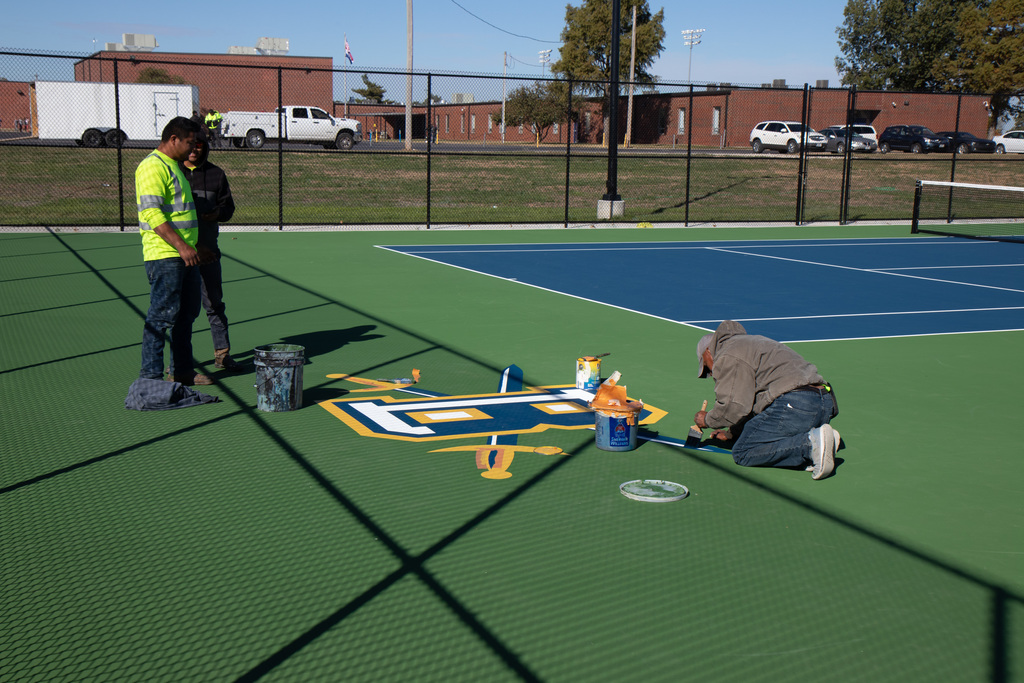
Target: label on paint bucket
(615, 431)
(588, 373)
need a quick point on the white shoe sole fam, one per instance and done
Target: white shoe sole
(827, 443)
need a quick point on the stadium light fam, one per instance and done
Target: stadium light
(691, 37)
(545, 59)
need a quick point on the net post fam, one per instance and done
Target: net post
(917, 208)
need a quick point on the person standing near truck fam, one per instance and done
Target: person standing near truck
(169, 229)
(214, 204)
(213, 121)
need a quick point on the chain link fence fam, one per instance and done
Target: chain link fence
(468, 149)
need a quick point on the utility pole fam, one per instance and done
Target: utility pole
(408, 81)
(504, 71)
(632, 75)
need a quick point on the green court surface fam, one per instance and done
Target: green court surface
(222, 543)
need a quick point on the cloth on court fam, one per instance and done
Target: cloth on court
(157, 394)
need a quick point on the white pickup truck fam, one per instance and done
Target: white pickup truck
(301, 124)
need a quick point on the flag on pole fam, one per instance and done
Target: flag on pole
(348, 53)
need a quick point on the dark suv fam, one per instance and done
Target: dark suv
(916, 139)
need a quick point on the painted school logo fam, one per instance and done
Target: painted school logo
(499, 417)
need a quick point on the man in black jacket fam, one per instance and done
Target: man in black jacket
(214, 204)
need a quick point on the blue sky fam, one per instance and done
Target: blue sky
(741, 45)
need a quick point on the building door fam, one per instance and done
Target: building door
(165, 108)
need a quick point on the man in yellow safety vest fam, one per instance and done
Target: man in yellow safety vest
(213, 121)
(170, 230)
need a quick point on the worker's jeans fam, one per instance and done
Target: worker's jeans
(778, 436)
(173, 305)
(213, 303)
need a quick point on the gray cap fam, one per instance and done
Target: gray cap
(702, 346)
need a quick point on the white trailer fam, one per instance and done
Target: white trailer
(87, 112)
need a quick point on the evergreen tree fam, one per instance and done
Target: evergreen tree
(372, 92)
(152, 74)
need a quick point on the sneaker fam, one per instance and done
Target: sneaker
(823, 450)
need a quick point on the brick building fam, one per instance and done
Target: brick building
(720, 117)
(225, 81)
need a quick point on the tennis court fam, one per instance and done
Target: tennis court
(222, 543)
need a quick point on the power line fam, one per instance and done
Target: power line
(516, 60)
(553, 42)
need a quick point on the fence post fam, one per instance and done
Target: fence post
(844, 190)
(120, 168)
(280, 154)
(568, 145)
(800, 171)
(952, 163)
(689, 142)
(429, 138)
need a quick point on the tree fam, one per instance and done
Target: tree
(539, 106)
(372, 92)
(989, 57)
(152, 74)
(585, 55)
(893, 44)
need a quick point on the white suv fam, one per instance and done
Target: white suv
(861, 129)
(785, 136)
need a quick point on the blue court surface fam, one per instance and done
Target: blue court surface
(790, 290)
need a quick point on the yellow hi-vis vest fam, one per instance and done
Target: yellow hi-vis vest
(164, 196)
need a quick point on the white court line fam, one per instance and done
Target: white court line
(864, 315)
(660, 246)
(867, 270)
(986, 265)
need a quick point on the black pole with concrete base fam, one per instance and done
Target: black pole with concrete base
(611, 205)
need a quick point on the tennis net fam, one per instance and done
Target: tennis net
(993, 212)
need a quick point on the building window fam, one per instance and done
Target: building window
(447, 124)
(472, 123)
(554, 128)
(716, 120)
(681, 127)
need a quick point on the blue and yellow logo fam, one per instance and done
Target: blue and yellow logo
(499, 417)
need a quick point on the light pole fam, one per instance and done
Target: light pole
(691, 37)
(545, 59)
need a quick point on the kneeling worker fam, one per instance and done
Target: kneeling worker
(770, 400)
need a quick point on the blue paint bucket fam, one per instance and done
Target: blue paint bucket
(279, 376)
(615, 431)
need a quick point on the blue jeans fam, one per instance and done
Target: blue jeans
(777, 437)
(174, 300)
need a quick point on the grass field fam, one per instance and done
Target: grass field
(62, 186)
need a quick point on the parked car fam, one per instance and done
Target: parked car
(965, 143)
(861, 129)
(785, 136)
(916, 139)
(1012, 141)
(835, 141)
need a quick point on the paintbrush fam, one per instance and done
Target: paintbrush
(696, 434)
